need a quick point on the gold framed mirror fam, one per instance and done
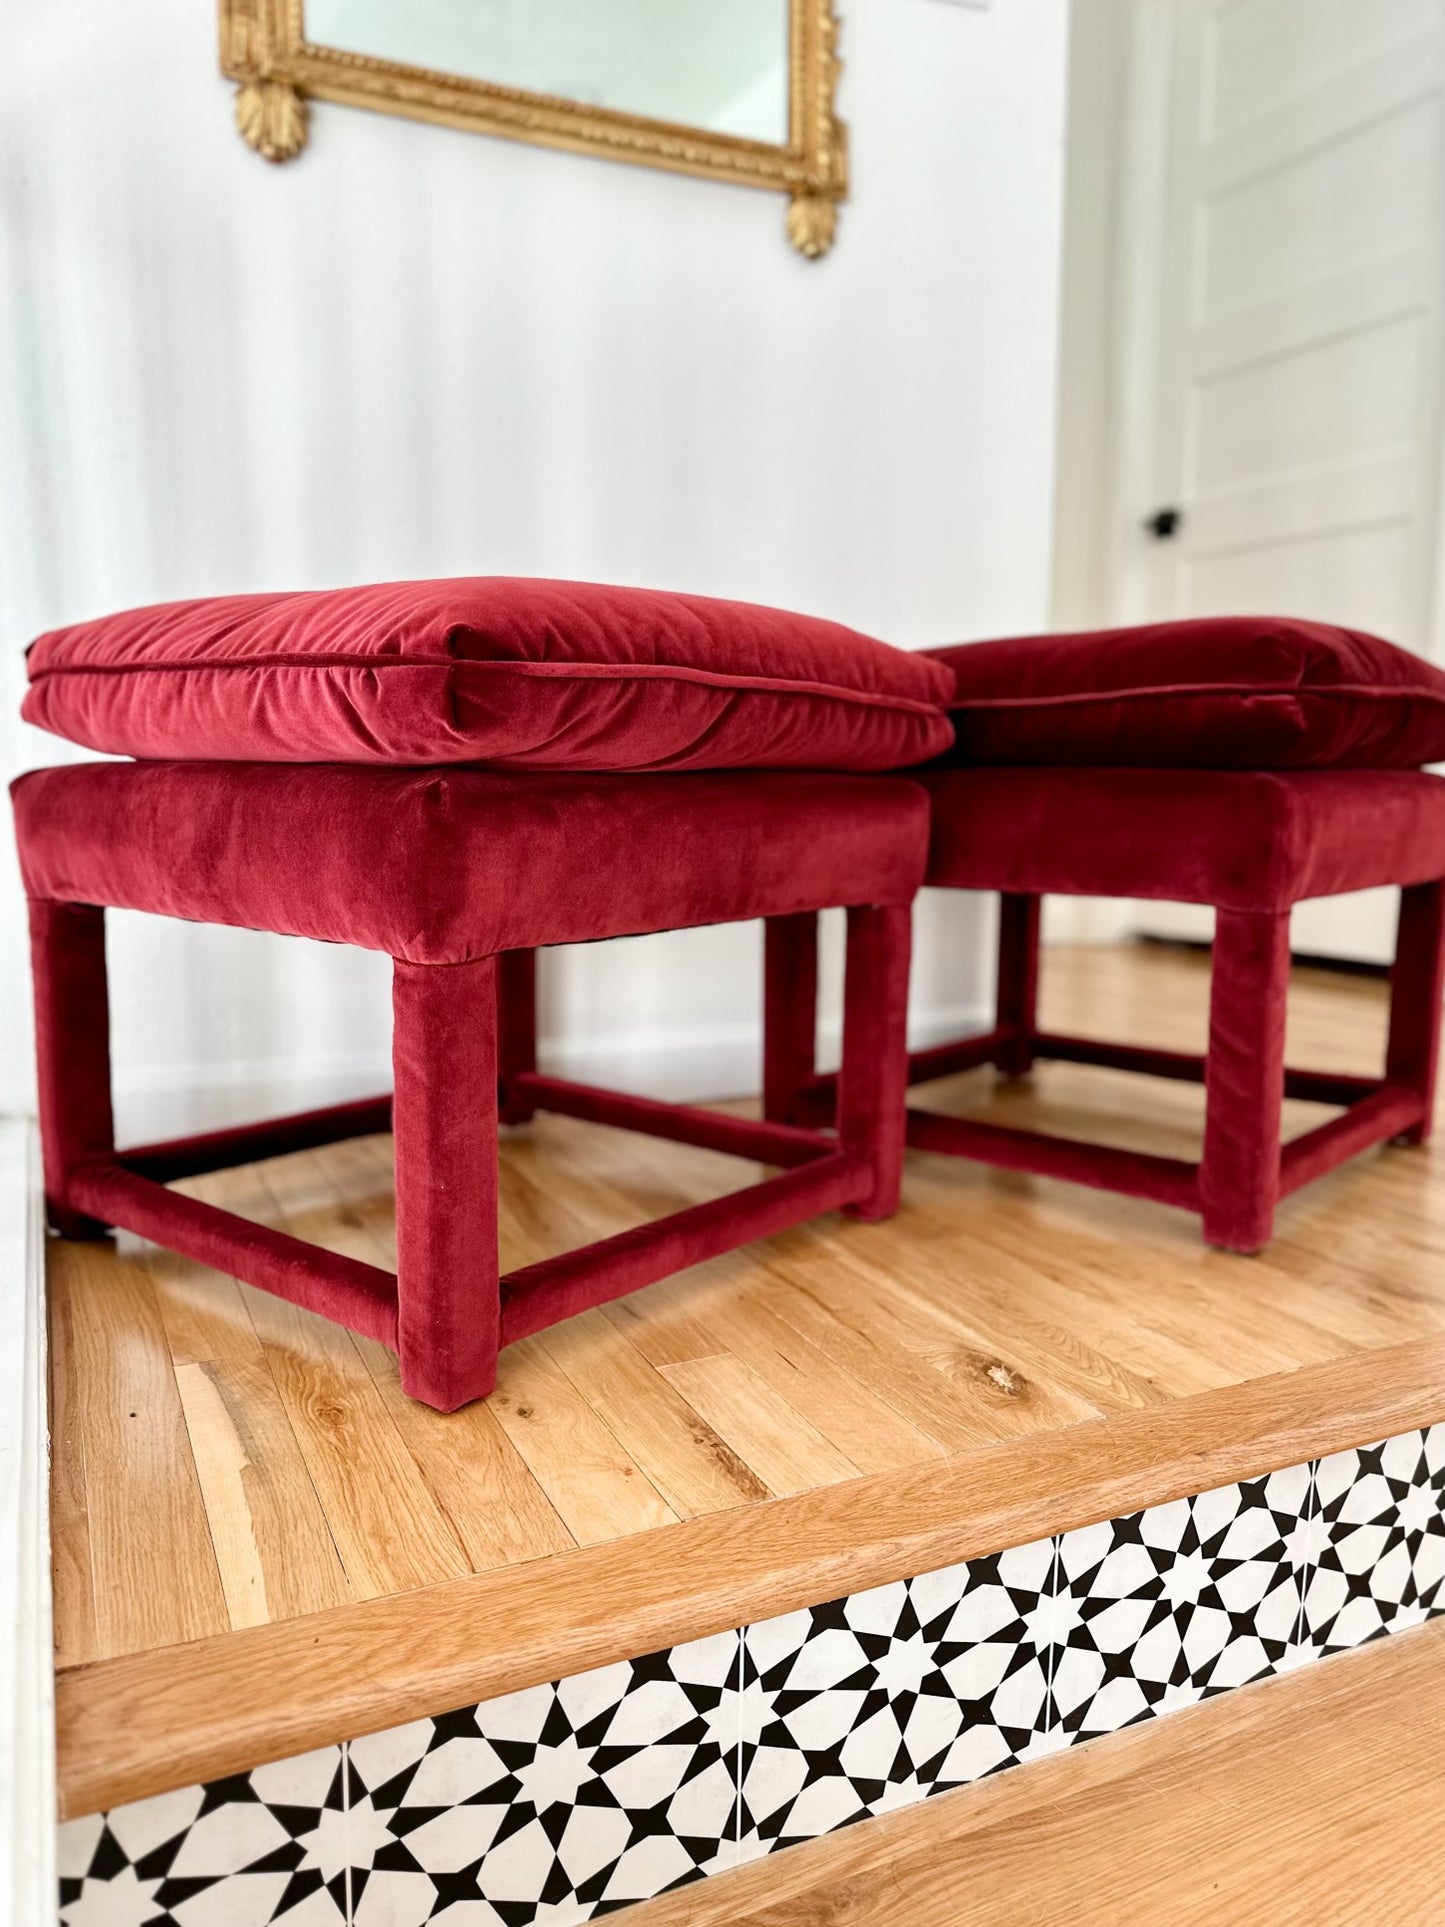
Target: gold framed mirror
(739, 92)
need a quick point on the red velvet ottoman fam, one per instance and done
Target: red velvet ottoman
(1341, 719)
(460, 873)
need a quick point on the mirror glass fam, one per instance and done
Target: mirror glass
(715, 64)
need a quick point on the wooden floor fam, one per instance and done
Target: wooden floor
(1308, 1801)
(223, 1461)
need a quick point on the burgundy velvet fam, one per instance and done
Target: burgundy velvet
(739, 1137)
(1018, 981)
(496, 670)
(517, 1032)
(1417, 986)
(873, 1078)
(223, 1150)
(444, 1118)
(862, 1172)
(447, 866)
(554, 1288)
(1236, 692)
(360, 1296)
(1244, 1078)
(1101, 1166)
(1250, 844)
(86, 1189)
(1235, 839)
(1388, 1115)
(790, 1022)
(72, 1027)
(460, 867)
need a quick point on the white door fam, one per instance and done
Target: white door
(1293, 414)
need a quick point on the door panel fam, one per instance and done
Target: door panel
(1263, 419)
(1262, 54)
(1295, 413)
(1356, 578)
(1362, 192)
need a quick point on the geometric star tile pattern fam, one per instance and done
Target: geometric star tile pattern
(262, 1846)
(569, 1801)
(1378, 1561)
(1162, 1608)
(876, 1700)
(555, 1803)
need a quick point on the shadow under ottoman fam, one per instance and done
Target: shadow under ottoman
(1248, 843)
(453, 872)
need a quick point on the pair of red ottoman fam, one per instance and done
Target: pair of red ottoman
(459, 773)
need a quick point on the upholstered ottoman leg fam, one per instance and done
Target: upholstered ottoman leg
(516, 1031)
(1017, 999)
(1244, 1078)
(444, 1051)
(72, 1046)
(1416, 985)
(873, 1077)
(790, 1018)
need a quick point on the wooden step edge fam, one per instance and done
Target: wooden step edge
(147, 1722)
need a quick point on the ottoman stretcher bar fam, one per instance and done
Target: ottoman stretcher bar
(461, 875)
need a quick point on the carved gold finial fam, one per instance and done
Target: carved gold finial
(812, 223)
(271, 118)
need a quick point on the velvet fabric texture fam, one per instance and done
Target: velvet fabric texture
(1239, 840)
(510, 673)
(1249, 844)
(460, 874)
(448, 866)
(1236, 692)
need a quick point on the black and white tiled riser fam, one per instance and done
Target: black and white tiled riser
(566, 1802)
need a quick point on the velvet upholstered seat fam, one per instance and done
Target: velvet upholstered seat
(1248, 842)
(460, 874)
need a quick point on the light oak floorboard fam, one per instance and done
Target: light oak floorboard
(275, 1552)
(132, 1429)
(782, 1448)
(997, 1389)
(273, 1547)
(851, 1416)
(693, 1468)
(76, 1639)
(598, 1489)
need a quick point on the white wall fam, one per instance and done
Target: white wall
(1087, 533)
(418, 352)
(1085, 491)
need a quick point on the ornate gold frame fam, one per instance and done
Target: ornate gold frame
(264, 48)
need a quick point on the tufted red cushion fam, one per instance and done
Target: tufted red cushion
(497, 670)
(1235, 692)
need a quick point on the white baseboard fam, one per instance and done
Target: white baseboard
(676, 1064)
(1089, 920)
(173, 1100)
(27, 1677)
